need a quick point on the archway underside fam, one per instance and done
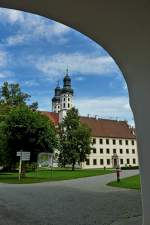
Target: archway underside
(123, 29)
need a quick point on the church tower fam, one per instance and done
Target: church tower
(66, 96)
(56, 100)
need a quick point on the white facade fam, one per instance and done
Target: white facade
(66, 101)
(104, 150)
(56, 107)
(65, 104)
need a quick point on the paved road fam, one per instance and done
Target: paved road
(85, 201)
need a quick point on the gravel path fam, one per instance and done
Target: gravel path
(84, 201)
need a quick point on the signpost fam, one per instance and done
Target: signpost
(24, 156)
(51, 155)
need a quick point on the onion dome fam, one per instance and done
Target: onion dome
(67, 80)
(56, 98)
(67, 85)
(57, 91)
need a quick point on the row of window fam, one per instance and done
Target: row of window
(68, 99)
(114, 151)
(58, 107)
(108, 161)
(64, 105)
(114, 141)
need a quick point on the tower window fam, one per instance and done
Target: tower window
(121, 151)
(107, 141)
(134, 161)
(108, 161)
(94, 141)
(94, 161)
(128, 161)
(94, 150)
(68, 105)
(107, 151)
(114, 141)
(64, 105)
(120, 142)
(101, 162)
(121, 161)
(114, 151)
(101, 150)
(64, 99)
(101, 141)
(68, 99)
(87, 162)
(126, 142)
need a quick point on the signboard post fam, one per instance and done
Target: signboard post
(24, 156)
(51, 164)
(20, 165)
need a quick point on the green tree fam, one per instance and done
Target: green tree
(27, 130)
(12, 96)
(4, 110)
(75, 140)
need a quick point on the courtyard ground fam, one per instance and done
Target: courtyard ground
(84, 201)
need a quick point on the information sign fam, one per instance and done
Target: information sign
(25, 156)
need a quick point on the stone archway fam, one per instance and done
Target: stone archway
(122, 28)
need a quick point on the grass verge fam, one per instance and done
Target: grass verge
(129, 182)
(46, 175)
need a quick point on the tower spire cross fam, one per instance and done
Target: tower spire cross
(67, 70)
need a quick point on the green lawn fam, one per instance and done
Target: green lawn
(47, 175)
(129, 182)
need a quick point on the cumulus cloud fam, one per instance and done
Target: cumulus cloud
(85, 64)
(105, 107)
(31, 27)
(3, 58)
(11, 16)
(6, 74)
(15, 39)
(31, 83)
(79, 78)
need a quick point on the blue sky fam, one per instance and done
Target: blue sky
(35, 52)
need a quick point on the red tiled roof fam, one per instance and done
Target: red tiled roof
(108, 128)
(100, 127)
(54, 117)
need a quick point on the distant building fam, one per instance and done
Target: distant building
(113, 142)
